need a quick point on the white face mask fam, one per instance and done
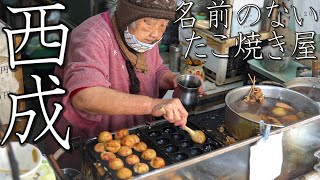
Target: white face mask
(137, 45)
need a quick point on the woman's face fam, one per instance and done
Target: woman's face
(149, 30)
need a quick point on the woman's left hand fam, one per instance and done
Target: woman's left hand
(174, 81)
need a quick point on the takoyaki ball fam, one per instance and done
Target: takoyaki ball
(149, 154)
(107, 156)
(99, 147)
(113, 146)
(121, 133)
(118, 140)
(132, 159)
(141, 168)
(116, 164)
(128, 141)
(157, 162)
(125, 151)
(104, 137)
(124, 173)
(136, 138)
(141, 146)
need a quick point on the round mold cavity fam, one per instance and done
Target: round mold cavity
(154, 134)
(171, 148)
(162, 141)
(185, 144)
(195, 151)
(180, 156)
(210, 146)
(177, 137)
(169, 130)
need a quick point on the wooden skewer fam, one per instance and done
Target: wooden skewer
(250, 78)
(56, 166)
(252, 87)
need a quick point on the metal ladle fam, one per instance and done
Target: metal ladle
(197, 136)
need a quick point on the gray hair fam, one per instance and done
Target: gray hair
(132, 25)
(112, 6)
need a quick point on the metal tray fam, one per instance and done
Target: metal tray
(171, 143)
(175, 142)
(112, 174)
(211, 122)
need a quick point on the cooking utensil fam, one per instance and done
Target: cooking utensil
(28, 158)
(275, 65)
(56, 166)
(309, 86)
(242, 128)
(71, 174)
(197, 136)
(188, 91)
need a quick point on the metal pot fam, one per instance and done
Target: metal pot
(188, 91)
(275, 65)
(309, 86)
(242, 128)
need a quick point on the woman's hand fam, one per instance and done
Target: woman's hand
(201, 90)
(171, 109)
(174, 81)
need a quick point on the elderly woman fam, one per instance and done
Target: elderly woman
(114, 74)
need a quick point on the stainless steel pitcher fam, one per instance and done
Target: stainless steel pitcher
(188, 91)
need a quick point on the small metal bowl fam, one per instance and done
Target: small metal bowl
(274, 65)
(71, 174)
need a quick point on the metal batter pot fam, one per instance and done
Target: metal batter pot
(243, 128)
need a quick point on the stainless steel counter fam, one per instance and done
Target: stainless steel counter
(300, 141)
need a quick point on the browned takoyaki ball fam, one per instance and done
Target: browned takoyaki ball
(132, 159)
(124, 173)
(113, 146)
(157, 162)
(141, 168)
(141, 146)
(104, 137)
(128, 141)
(125, 151)
(107, 156)
(119, 140)
(149, 154)
(99, 147)
(116, 164)
(136, 138)
(121, 133)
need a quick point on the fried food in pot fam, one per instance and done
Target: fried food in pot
(136, 138)
(121, 133)
(113, 146)
(107, 156)
(125, 151)
(128, 141)
(104, 137)
(157, 162)
(132, 159)
(99, 147)
(140, 147)
(141, 168)
(149, 154)
(124, 173)
(116, 164)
